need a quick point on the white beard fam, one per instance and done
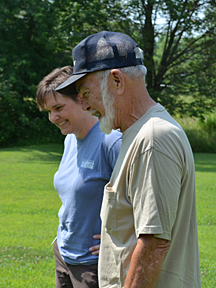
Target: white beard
(105, 125)
(108, 101)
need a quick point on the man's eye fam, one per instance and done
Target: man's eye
(59, 108)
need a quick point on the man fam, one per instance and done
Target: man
(149, 228)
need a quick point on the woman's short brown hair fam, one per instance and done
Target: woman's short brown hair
(50, 82)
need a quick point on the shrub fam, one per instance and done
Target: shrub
(22, 123)
(201, 134)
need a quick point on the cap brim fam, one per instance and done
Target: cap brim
(68, 87)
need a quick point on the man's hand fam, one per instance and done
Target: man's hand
(95, 249)
(146, 262)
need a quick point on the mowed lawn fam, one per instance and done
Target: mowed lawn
(29, 206)
(205, 165)
(28, 221)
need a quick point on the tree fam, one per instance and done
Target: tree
(36, 36)
(27, 54)
(178, 39)
(79, 19)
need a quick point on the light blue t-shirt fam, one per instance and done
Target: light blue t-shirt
(85, 168)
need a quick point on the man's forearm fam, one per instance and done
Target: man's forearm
(146, 262)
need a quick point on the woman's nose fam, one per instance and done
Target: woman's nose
(53, 117)
(85, 105)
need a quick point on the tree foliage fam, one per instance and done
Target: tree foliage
(178, 39)
(27, 54)
(36, 36)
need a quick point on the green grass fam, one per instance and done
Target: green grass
(206, 216)
(28, 216)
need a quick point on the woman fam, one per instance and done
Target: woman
(86, 166)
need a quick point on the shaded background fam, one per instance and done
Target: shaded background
(178, 39)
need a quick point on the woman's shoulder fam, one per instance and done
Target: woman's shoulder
(114, 136)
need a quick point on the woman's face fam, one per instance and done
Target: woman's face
(65, 113)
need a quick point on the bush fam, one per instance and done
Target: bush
(201, 134)
(22, 123)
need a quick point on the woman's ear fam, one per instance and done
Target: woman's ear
(79, 98)
(118, 81)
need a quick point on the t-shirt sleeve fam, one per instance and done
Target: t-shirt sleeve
(154, 190)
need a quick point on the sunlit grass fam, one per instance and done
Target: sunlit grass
(206, 216)
(28, 216)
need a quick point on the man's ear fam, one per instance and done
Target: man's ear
(118, 81)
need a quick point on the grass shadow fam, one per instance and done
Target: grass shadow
(36, 153)
(205, 162)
